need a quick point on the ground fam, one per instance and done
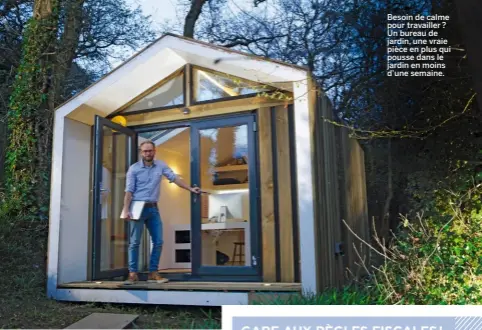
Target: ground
(43, 313)
(23, 299)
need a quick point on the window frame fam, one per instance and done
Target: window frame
(192, 101)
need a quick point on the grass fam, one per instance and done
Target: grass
(24, 303)
(43, 313)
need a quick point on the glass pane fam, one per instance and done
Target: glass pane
(173, 148)
(114, 241)
(225, 237)
(170, 93)
(210, 86)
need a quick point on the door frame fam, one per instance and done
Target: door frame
(222, 273)
(100, 123)
(198, 270)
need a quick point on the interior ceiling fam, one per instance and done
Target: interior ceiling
(180, 144)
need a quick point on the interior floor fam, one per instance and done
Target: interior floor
(189, 286)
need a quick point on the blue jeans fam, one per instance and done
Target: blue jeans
(151, 218)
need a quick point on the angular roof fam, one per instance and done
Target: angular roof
(165, 56)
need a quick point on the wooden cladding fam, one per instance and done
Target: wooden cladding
(340, 197)
(355, 209)
(285, 209)
(327, 222)
(267, 201)
(276, 195)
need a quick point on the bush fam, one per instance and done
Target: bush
(23, 244)
(435, 259)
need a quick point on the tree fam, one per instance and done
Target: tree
(58, 55)
(196, 9)
(192, 17)
(414, 129)
(31, 100)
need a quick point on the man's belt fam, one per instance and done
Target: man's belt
(149, 204)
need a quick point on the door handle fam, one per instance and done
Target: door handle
(101, 189)
(195, 195)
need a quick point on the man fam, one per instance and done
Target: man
(143, 181)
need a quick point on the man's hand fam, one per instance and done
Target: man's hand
(126, 214)
(125, 210)
(184, 185)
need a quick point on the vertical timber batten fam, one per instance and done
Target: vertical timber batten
(287, 273)
(333, 195)
(275, 161)
(294, 194)
(267, 202)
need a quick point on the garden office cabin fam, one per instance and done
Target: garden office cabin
(249, 131)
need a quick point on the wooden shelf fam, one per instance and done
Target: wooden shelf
(238, 186)
(224, 225)
(231, 168)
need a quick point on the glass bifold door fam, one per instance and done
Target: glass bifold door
(211, 236)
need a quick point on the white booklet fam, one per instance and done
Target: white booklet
(135, 209)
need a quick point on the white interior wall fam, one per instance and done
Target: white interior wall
(74, 210)
(236, 202)
(238, 208)
(174, 202)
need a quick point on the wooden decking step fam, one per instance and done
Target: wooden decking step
(104, 321)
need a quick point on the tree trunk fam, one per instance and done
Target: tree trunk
(68, 45)
(192, 17)
(61, 65)
(29, 113)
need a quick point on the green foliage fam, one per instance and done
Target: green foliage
(438, 259)
(22, 246)
(435, 259)
(28, 106)
(350, 295)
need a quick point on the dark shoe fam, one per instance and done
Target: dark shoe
(154, 277)
(132, 279)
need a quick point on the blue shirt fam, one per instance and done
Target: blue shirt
(144, 181)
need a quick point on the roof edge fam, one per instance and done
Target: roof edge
(226, 49)
(151, 44)
(168, 34)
